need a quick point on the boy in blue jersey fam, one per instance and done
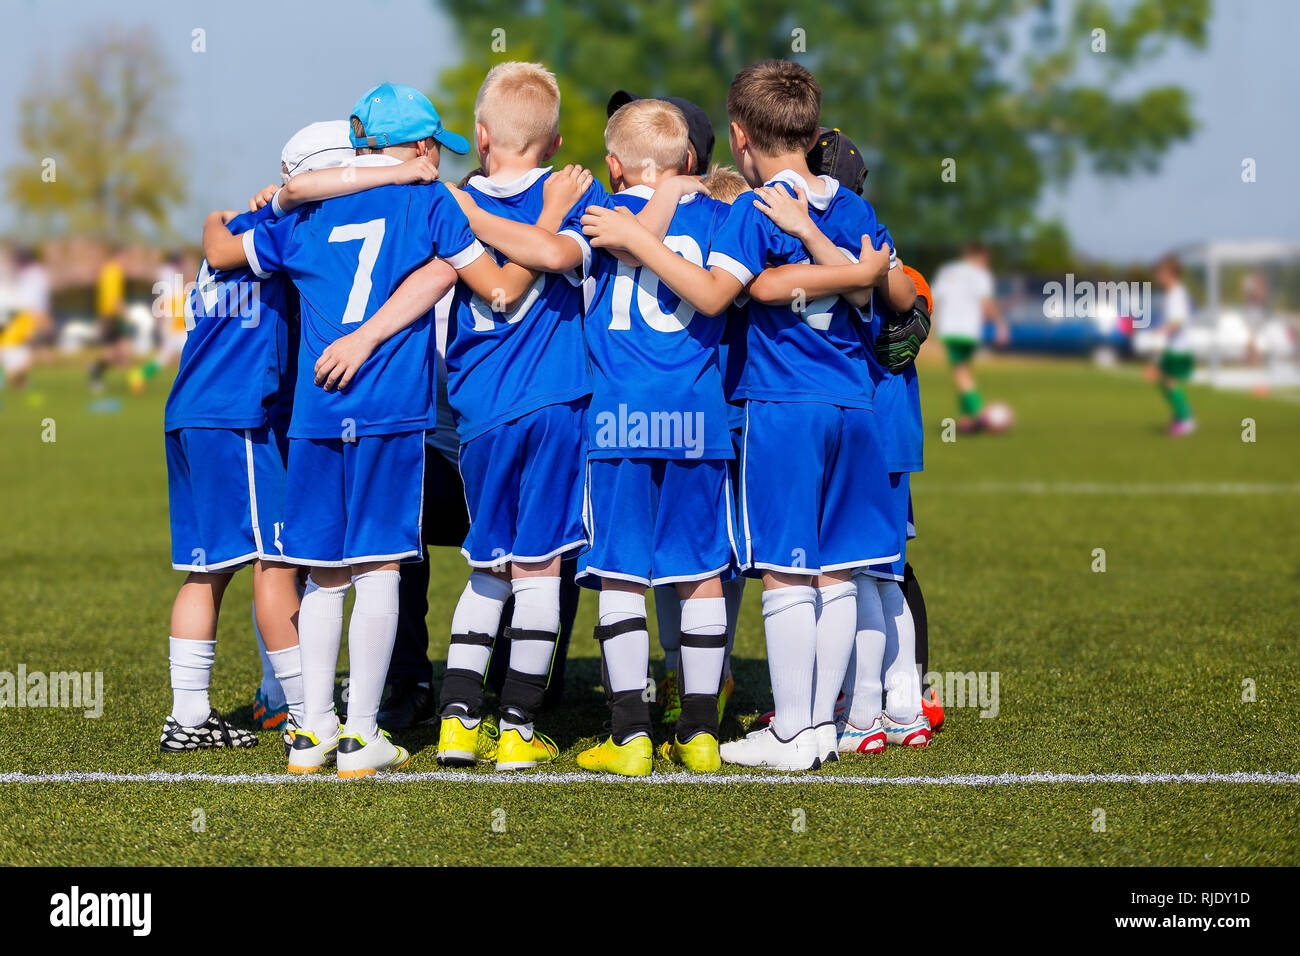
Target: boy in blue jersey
(518, 384)
(814, 484)
(658, 495)
(225, 423)
(356, 455)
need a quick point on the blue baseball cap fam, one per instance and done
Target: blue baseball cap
(392, 114)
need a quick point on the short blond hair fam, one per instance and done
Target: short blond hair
(724, 183)
(519, 105)
(649, 134)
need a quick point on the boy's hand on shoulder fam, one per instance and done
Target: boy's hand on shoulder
(874, 262)
(342, 358)
(564, 188)
(612, 228)
(683, 185)
(262, 198)
(789, 213)
(422, 169)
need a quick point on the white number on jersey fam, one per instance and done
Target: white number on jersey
(371, 235)
(646, 284)
(817, 313)
(206, 286)
(485, 316)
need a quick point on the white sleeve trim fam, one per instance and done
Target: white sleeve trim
(276, 209)
(250, 253)
(467, 255)
(730, 265)
(576, 276)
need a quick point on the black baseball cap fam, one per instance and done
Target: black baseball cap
(699, 128)
(835, 155)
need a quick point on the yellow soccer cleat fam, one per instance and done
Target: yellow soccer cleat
(515, 752)
(632, 759)
(699, 754)
(461, 746)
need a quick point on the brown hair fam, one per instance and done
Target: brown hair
(777, 103)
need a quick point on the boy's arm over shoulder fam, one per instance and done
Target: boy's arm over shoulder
(261, 248)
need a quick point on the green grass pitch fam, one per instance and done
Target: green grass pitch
(1140, 669)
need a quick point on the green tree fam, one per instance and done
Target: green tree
(1005, 96)
(98, 154)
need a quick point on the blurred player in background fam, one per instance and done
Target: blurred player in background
(963, 300)
(29, 318)
(113, 328)
(1174, 367)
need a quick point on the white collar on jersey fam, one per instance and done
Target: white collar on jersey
(503, 190)
(794, 179)
(375, 159)
(642, 191)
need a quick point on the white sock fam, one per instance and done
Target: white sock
(287, 674)
(320, 634)
(668, 615)
(478, 610)
(902, 683)
(270, 686)
(537, 608)
(790, 624)
(868, 656)
(627, 655)
(191, 667)
(702, 666)
(371, 633)
(836, 626)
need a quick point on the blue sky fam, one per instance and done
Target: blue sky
(237, 103)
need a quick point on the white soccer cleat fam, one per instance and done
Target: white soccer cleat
(763, 748)
(828, 739)
(911, 733)
(863, 740)
(309, 753)
(362, 758)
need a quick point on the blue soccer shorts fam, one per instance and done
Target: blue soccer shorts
(354, 502)
(815, 495)
(657, 521)
(523, 487)
(900, 490)
(225, 494)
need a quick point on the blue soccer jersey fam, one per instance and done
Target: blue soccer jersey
(815, 356)
(656, 377)
(898, 408)
(503, 365)
(237, 365)
(346, 256)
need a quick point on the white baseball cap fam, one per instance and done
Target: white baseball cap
(318, 146)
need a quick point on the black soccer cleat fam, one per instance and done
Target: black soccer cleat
(213, 733)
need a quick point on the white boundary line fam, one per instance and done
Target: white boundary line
(1114, 487)
(579, 779)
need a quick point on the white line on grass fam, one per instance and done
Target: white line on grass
(1116, 487)
(547, 778)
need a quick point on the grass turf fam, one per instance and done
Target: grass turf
(1137, 669)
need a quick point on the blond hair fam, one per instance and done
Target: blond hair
(519, 105)
(777, 103)
(724, 183)
(650, 136)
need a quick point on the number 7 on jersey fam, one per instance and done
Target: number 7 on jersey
(371, 235)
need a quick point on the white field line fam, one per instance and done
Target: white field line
(699, 780)
(1114, 487)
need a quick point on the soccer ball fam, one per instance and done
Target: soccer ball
(998, 417)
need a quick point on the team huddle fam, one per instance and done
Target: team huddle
(695, 378)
